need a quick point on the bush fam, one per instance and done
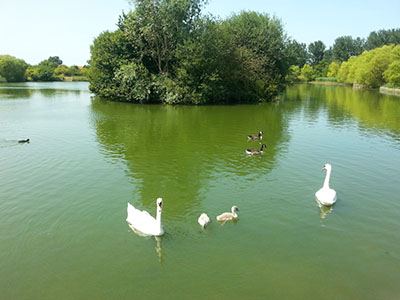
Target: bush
(372, 68)
(307, 72)
(392, 74)
(12, 69)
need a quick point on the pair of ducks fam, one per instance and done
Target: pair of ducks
(255, 137)
(143, 222)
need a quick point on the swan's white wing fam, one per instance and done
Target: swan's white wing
(136, 216)
(225, 216)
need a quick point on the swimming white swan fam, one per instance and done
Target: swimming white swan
(203, 220)
(229, 216)
(144, 222)
(326, 195)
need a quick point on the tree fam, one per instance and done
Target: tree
(321, 69)
(55, 59)
(307, 72)
(157, 27)
(328, 54)
(62, 70)
(45, 70)
(346, 46)
(316, 50)
(297, 54)
(382, 37)
(294, 74)
(108, 52)
(333, 69)
(12, 69)
(392, 74)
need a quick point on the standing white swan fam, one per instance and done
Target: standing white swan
(144, 222)
(203, 220)
(326, 195)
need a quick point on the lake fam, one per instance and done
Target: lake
(63, 196)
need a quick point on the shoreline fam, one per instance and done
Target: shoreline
(389, 91)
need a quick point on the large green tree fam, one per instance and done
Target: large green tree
(317, 50)
(382, 37)
(346, 46)
(297, 53)
(12, 69)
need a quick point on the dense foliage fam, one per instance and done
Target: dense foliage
(323, 64)
(382, 38)
(372, 68)
(167, 52)
(12, 69)
(52, 69)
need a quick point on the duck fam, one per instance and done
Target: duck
(204, 220)
(255, 151)
(24, 141)
(255, 136)
(143, 222)
(325, 195)
(227, 216)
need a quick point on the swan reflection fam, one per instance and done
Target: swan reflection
(159, 250)
(158, 246)
(324, 210)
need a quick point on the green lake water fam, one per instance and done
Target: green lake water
(63, 196)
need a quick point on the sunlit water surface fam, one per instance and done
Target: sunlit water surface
(63, 196)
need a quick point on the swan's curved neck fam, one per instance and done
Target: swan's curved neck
(234, 214)
(327, 178)
(158, 217)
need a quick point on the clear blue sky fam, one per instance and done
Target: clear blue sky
(36, 29)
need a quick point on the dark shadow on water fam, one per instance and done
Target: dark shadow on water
(174, 151)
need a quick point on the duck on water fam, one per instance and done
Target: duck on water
(255, 151)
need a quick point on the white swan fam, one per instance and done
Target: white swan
(326, 195)
(203, 220)
(142, 221)
(229, 216)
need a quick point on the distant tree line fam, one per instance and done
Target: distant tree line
(316, 62)
(52, 69)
